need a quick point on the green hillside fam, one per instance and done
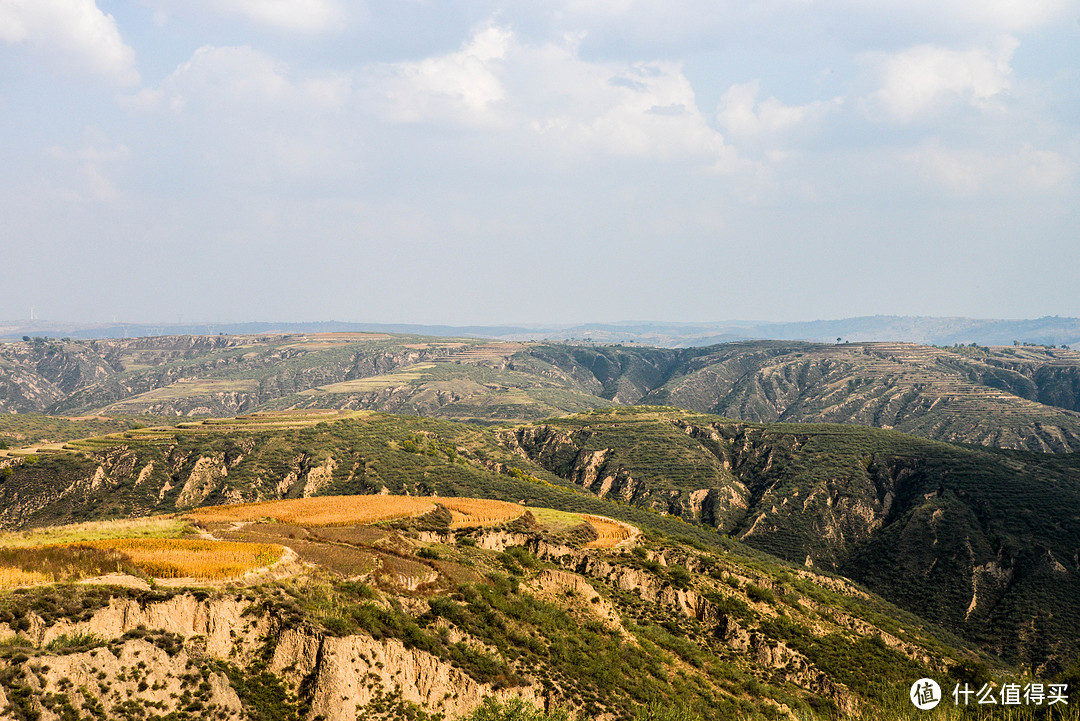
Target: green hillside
(682, 616)
(980, 541)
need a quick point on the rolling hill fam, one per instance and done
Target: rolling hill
(982, 542)
(415, 606)
(1023, 397)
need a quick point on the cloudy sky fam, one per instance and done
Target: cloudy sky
(472, 161)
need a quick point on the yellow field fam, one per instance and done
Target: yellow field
(17, 577)
(320, 510)
(192, 558)
(612, 533)
(480, 511)
(361, 510)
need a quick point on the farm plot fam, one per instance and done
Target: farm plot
(467, 512)
(157, 557)
(361, 510)
(611, 533)
(319, 510)
(192, 558)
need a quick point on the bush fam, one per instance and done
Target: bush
(665, 712)
(516, 709)
(759, 594)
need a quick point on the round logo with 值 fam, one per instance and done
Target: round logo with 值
(925, 694)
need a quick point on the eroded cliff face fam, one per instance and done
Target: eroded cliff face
(162, 654)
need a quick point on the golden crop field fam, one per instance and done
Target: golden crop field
(10, 577)
(480, 511)
(192, 558)
(320, 510)
(612, 533)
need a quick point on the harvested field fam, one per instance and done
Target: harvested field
(320, 510)
(342, 556)
(611, 532)
(480, 511)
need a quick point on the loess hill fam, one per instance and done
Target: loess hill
(1024, 397)
(417, 608)
(981, 542)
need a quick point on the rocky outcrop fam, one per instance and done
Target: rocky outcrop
(137, 673)
(202, 481)
(338, 676)
(346, 674)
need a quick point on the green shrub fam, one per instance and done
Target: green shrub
(759, 594)
(516, 709)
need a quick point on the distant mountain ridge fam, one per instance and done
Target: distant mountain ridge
(926, 330)
(1024, 397)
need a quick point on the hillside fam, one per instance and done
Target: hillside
(978, 540)
(412, 607)
(1022, 397)
(991, 536)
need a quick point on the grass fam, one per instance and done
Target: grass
(556, 521)
(151, 527)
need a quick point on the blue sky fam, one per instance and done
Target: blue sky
(466, 161)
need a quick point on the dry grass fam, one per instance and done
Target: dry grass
(192, 558)
(480, 511)
(152, 527)
(611, 533)
(320, 510)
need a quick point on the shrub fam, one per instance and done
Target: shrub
(515, 709)
(759, 594)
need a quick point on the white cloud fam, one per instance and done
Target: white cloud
(991, 15)
(298, 15)
(743, 115)
(919, 81)
(463, 87)
(239, 77)
(546, 91)
(974, 171)
(76, 31)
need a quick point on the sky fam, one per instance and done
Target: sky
(481, 162)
